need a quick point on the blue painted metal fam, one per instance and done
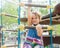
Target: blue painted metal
(2, 24)
(51, 40)
(19, 40)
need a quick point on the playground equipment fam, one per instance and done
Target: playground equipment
(55, 20)
(31, 5)
(9, 15)
(55, 15)
(35, 5)
(45, 28)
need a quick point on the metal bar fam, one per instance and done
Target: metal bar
(11, 30)
(36, 5)
(9, 15)
(28, 27)
(12, 46)
(44, 30)
(53, 18)
(48, 16)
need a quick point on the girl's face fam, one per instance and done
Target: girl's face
(35, 19)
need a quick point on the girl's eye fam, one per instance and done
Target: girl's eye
(34, 18)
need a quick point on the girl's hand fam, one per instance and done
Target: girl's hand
(39, 30)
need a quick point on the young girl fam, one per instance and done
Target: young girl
(36, 33)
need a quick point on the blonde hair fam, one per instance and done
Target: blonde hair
(38, 14)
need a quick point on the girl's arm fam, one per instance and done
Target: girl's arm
(29, 16)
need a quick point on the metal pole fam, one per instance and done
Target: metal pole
(2, 25)
(19, 40)
(51, 40)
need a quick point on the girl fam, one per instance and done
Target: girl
(34, 34)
